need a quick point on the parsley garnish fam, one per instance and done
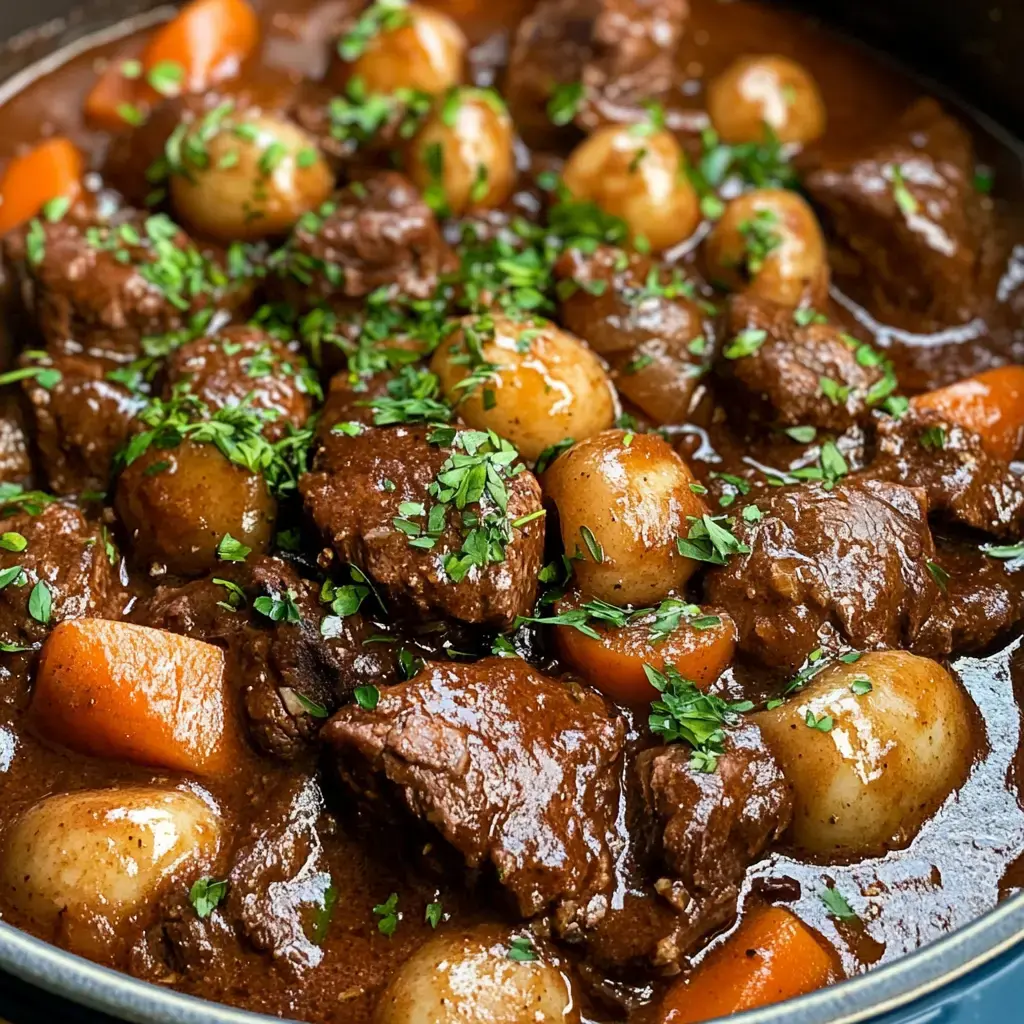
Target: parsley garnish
(389, 915)
(822, 723)
(40, 602)
(206, 894)
(565, 102)
(231, 550)
(837, 905)
(710, 541)
(938, 574)
(367, 697)
(746, 343)
(434, 914)
(13, 541)
(278, 607)
(521, 949)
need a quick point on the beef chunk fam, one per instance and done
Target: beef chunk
(787, 377)
(644, 321)
(273, 664)
(245, 363)
(511, 767)
(361, 485)
(80, 423)
(374, 234)
(904, 219)
(621, 51)
(15, 458)
(963, 482)
(99, 290)
(65, 553)
(848, 564)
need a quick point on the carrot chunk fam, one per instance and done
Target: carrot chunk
(991, 404)
(114, 689)
(771, 957)
(51, 170)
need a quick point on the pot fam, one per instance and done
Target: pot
(969, 977)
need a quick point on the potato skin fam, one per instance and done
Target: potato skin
(755, 91)
(478, 169)
(177, 515)
(892, 756)
(82, 863)
(635, 500)
(640, 178)
(552, 388)
(466, 976)
(795, 267)
(255, 187)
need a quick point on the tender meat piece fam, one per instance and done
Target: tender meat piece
(15, 458)
(904, 218)
(783, 377)
(69, 556)
(246, 363)
(99, 290)
(644, 321)
(963, 482)
(512, 768)
(81, 423)
(271, 664)
(374, 234)
(848, 564)
(621, 51)
(348, 498)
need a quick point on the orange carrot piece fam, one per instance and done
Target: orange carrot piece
(771, 957)
(203, 44)
(615, 663)
(991, 404)
(50, 170)
(114, 689)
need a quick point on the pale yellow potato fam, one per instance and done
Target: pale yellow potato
(424, 50)
(769, 243)
(767, 90)
(466, 149)
(638, 177)
(467, 977)
(82, 863)
(544, 384)
(633, 500)
(259, 175)
(891, 758)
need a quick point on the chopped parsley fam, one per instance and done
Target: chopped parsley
(933, 438)
(938, 574)
(382, 16)
(904, 197)
(746, 343)
(13, 541)
(565, 103)
(206, 894)
(367, 697)
(822, 723)
(389, 915)
(837, 905)
(40, 603)
(310, 706)
(861, 686)
(521, 949)
(760, 239)
(434, 914)
(231, 550)
(710, 540)
(279, 607)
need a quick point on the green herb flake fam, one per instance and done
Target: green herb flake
(13, 541)
(231, 550)
(40, 602)
(389, 915)
(367, 697)
(206, 894)
(521, 949)
(837, 905)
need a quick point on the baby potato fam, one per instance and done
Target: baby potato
(82, 863)
(769, 243)
(466, 150)
(622, 501)
(178, 503)
(248, 178)
(465, 976)
(638, 177)
(537, 384)
(898, 744)
(413, 47)
(762, 90)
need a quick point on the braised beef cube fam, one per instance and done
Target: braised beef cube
(963, 482)
(797, 369)
(905, 220)
(15, 457)
(644, 320)
(376, 233)
(598, 59)
(246, 365)
(64, 571)
(82, 420)
(289, 672)
(98, 290)
(379, 504)
(513, 769)
(825, 567)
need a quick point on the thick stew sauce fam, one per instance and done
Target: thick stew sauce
(510, 512)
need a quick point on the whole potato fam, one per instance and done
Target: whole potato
(465, 149)
(82, 863)
(638, 177)
(871, 750)
(769, 244)
(177, 503)
(766, 90)
(468, 977)
(411, 47)
(251, 177)
(622, 501)
(535, 385)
